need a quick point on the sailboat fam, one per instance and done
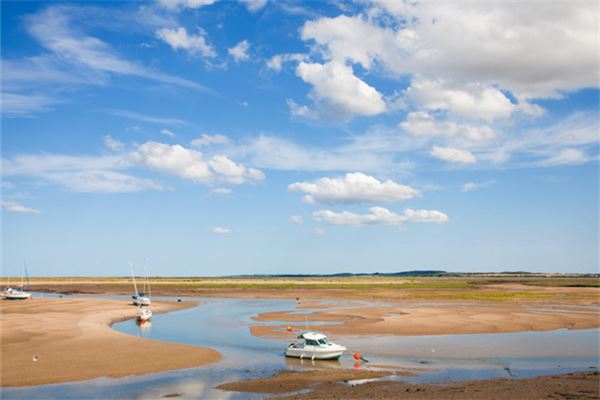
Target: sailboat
(144, 314)
(18, 294)
(140, 298)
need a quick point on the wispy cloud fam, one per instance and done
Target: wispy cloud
(147, 118)
(15, 207)
(219, 230)
(471, 186)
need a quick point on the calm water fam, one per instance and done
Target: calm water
(223, 324)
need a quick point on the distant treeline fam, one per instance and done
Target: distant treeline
(417, 273)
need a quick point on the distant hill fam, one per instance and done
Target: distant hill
(344, 274)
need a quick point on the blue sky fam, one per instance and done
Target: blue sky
(221, 137)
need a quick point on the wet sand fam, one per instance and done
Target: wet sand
(433, 319)
(582, 385)
(73, 340)
(289, 381)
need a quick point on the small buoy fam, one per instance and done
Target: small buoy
(357, 356)
(179, 300)
(35, 358)
(289, 328)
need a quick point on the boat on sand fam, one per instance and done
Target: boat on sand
(314, 346)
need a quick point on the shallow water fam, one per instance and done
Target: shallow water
(223, 324)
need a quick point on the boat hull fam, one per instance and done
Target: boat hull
(17, 296)
(314, 355)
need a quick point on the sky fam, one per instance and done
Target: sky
(257, 137)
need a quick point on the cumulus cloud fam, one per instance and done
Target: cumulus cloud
(173, 159)
(112, 143)
(422, 124)
(423, 39)
(234, 173)
(452, 154)
(15, 207)
(379, 216)
(220, 230)
(473, 101)
(240, 51)
(190, 164)
(276, 62)
(343, 94)
(180, 39)
(354, 188)
(296, 219)
(207, 139)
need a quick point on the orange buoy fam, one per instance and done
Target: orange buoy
(356, 356)
(289, 328)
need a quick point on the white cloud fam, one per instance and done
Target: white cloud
(101, 181)
(276, 62)
(254, 5)
(452, 154)
(424, 38)
(422, 124)
(146, 118)
(190, 164)
(112, 143)
(178, 4)
(343, 93)
(173, 159)
(281, 154)
(167, 132)
(39, 164)
(240, 51)
(180, 39)
(220, 230)
(471, 186)
(379, 216)
(567, 156)
(475, 103)
(296, 219)
(18, 208)
(232, 172)
(354, 188)
(13, 104)
(207, 139)
(86, 58)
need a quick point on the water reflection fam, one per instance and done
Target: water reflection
(144, 328)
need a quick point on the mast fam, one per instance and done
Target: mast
(26, 275)
(147, 278)
(133, 276)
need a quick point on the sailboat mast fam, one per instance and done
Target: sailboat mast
(26, 274)
(147, 278)
(133, 277)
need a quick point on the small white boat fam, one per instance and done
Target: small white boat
(144, 314)
(18, 294)
(315, 346)
(140, 298)
(15, 294)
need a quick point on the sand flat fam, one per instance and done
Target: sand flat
(73, 340)
(432, 319)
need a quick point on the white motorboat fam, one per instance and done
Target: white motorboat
(18, 294)
(140, 298)
(315, 346)
(144, 314)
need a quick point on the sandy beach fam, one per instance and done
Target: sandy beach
(73, 340)
(433, 319)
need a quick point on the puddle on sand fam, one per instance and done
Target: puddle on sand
(223, 324)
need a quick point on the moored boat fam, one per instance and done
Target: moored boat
(144, 314)
(315, 346)
(18, 294)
